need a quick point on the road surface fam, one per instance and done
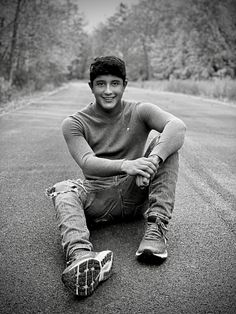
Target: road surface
(200, 274)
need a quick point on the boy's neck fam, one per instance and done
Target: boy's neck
(108, 113)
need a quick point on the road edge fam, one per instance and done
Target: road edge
(25, 101)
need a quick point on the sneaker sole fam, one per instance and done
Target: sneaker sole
(83, 277)
(149, 253)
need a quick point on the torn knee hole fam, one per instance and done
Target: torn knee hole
(53, 192)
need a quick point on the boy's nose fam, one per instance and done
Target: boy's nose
(108, 89)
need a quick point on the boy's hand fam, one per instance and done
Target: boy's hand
(142, 181)
(145, 167)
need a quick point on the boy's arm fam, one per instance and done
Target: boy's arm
(171, 139)
(172, 129)
(91, 165)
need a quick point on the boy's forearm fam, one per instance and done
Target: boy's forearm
(94, 166)
(101, 167)
(171, 139)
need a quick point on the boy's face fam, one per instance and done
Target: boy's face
(108, 91)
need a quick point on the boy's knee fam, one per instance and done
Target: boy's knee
(151, 145)
(60, 188)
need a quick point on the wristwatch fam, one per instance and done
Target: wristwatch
(158, 159)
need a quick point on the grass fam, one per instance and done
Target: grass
(20, 98)
(12, 97)
(222, 89)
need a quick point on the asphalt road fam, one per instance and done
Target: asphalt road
(200, 274)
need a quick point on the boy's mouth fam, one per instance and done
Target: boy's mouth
(108, 99)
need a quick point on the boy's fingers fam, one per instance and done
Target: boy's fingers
(138, 181)
(151, 168)
(144, 174)
(142, 181)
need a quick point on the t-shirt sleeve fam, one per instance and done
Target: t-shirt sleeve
(74, 136)
(171, 128)
(80, 150)
(72, 126)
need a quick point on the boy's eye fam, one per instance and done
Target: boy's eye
(100, 83)
(115, 83)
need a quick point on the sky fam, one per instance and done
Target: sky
(96, 11)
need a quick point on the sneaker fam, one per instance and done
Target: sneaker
(86, 271)
(154, 241)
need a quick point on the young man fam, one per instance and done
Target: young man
(107, 140)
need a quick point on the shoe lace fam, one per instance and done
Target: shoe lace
(155, 230)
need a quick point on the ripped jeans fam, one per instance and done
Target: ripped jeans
(79, 204)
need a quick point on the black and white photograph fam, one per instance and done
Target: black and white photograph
(118, 156)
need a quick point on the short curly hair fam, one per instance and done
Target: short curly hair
(107, 65)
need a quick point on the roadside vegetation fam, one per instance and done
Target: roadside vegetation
(179, 46)
(221, 89)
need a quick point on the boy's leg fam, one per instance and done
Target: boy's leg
(160, 194)
(85, 268)
(161, 197)
(161, 204)
(162, 189)
(68, 199)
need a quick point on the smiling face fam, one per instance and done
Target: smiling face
(108, 91)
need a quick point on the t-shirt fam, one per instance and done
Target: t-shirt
(118, 137)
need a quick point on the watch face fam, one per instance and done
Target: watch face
(156, 158)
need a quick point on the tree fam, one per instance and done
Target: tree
(161, 39)
(39, 39)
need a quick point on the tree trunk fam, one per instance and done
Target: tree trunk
(146, 60)
(13, 43)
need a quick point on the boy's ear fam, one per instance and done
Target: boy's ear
(125, 83)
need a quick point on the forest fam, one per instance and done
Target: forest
(44, 42)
